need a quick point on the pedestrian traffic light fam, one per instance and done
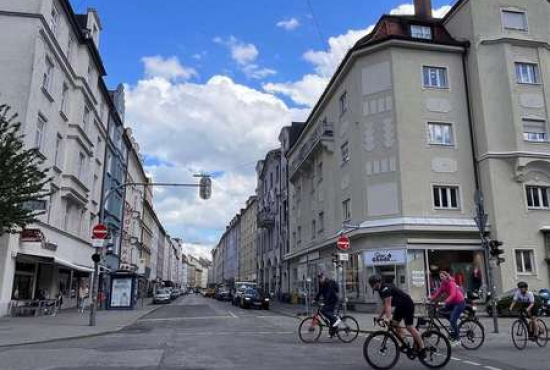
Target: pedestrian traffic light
(495, 251)
(205, 187)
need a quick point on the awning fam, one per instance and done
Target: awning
(73, 266)
(545, 229)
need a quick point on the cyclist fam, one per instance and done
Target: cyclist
(404, 309)
(455, 303)
(328, 289)
(525, 298)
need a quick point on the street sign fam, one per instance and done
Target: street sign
(342, 256)
(98, 243)
(100, 231)
(343, 243)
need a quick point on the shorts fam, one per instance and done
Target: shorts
(404, 311)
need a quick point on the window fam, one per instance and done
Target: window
(321, 221)
(85, 119)
(435, 77)
(70, 46)
(514, 20)
(299, 234)
(89, 75)
(421, 32)
(527, 73)
(346, 208)
(524, 261)
(57, 157)
(48, 74)
(67, 219)
(313, 229)
(81, 165)
(320, 172)
(537, 197)
(94, 186)
(445, 197)
(534, 130)
(64, 97)
(54, 19)
(343, 103)
(40, 133)
(344, 150)
(441, 133)
(271, 179)
(299, 193)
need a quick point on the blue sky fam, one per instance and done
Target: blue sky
(210, 84)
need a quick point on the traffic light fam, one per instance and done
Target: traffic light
(205, 187)
(495, 251)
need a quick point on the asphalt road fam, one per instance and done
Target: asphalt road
(197, 333)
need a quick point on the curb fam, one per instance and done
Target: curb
(81, 336)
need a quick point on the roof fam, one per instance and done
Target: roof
(390, 27)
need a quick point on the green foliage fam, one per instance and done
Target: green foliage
(22, 177)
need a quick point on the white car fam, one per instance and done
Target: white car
(162, 296)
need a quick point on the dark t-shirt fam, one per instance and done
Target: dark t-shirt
(398, 297)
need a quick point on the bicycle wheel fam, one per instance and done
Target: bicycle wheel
(542, 333)
(348, 330)
(438, 352)
(310, 330)
(520, 334)
(381, 350)
(472, 334)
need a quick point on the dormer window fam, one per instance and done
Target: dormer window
(421, 32)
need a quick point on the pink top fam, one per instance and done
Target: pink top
(454, 293)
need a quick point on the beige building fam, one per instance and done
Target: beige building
(248, 247)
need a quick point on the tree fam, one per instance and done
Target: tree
(22, 177)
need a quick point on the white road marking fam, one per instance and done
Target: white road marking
(471, 363)
(232, 314)
(455, 358)
(187, 318)
(492, 368)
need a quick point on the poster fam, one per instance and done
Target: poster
(121, 293)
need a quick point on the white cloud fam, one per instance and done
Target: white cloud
(167, 68)
(216, 126)
(289, 24)
(198, 250)
(304, 92)
(245, 55)
(408, 9)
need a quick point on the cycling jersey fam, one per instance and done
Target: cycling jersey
(398, 297)
(526, 298)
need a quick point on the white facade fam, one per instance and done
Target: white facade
(52, 77)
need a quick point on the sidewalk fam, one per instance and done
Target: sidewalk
(67, 324)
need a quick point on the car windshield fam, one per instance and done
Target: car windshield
(163, 291)
(251, 291)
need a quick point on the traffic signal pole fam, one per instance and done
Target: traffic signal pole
(205, 192)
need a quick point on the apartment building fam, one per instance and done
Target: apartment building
(248, 248)
(52, 76)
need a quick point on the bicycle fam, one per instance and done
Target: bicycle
(311, 327)
(388, 345)
(521, 333)
(470, 331)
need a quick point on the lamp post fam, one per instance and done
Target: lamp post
(205, 192)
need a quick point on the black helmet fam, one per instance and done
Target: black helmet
(374, 279)
(522, 284)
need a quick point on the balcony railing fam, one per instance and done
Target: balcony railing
(324, 131)
(266, 219)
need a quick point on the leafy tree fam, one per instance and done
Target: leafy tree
(22, 177)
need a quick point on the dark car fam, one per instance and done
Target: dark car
(504, 300)
(254, 298)
(223, 294)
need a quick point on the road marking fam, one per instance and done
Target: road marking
(232, 314)
(471, 363)
(492, 368)
(455, 358)
(186, 318)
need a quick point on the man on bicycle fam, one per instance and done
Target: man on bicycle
(404, 309)
(328, 289)
(455, 303)
(525, 298)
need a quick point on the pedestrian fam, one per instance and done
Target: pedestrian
(82, 298)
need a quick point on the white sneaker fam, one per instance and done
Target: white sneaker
(338, 322)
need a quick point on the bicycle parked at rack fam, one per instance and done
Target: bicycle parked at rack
(382, 348)
(521, 332)
(470, 331)
(311, 327)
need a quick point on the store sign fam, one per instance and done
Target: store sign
(384, 257)
(31, 235)
(50, 246)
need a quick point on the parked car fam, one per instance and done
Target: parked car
(223, 294)
(162, 295)
(209, 293)
(504, 300)
(236, 296)
(253, 297)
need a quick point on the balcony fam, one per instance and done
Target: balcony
(323, 136)
(266, 219)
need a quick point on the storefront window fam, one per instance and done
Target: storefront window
(389, 264)
(466, 267)
(23, 282)
(417, 274)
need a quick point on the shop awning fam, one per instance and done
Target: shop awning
(73, 266)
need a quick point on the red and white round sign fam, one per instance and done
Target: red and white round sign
(100, 231)
(343, 243)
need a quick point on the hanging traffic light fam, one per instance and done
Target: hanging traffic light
(205, 187)
(495, 251)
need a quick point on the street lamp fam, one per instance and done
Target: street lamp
(205, 192)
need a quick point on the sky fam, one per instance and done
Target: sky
(210, 83)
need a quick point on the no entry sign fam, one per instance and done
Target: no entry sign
(343, 243)
(100, 231)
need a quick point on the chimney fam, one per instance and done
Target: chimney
(423, 9)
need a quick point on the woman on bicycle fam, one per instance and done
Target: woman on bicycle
(455, 303)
